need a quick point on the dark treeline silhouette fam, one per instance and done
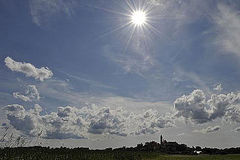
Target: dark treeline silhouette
(138, 152)
(175, 148)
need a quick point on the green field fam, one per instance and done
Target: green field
(198, 157)
(39, 153)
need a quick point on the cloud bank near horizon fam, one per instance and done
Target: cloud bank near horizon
(72, 122)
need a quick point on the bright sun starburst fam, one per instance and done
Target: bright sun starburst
(137, 21)
(138, 18)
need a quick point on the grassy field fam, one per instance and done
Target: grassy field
(39, 153)
(198, 157)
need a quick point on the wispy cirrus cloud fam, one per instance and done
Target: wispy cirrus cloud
(227, 23)
(134, 62)
(209, 129)
(46, 11)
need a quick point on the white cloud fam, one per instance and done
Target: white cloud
(233, 112)
(21, 96)
(28, 69)
(226, 105)
(193, 107)
(228, 25)
(109, 121)
(31, 94)
(72, 122)
(151, 122)
(218, 88)
(209, 129)
(197, 108)
(25, 121)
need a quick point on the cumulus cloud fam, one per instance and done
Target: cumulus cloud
(233, 113)
(151, 122)
(225, 105)
(28, 69)
(72, 122)
(218, 88)
(18, 95)
(228, 25)
(31, 94)
(198, 109)
(63, 124)
(25, 121)
(209, 129)
(193, 107)
(109, 121)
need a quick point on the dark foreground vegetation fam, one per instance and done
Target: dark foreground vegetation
(42, 153)
(150, 150)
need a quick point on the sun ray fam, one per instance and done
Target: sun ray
(158, 17)
(129, 39)
(129, 6)
(145, 45)
(115, 29)
(154, 30)
(147, 7)
(107, 10)
(139, 17)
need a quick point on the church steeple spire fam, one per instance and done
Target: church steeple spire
(161, 139)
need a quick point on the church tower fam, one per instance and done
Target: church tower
(161, 139)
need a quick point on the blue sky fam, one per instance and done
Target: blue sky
(62, 60)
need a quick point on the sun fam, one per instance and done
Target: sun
(138, 18)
